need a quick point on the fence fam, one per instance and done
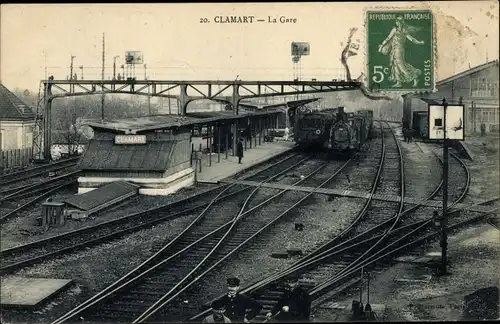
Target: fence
(15, 158)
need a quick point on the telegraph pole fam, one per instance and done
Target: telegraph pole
(444, 220)
(71, 68)
(114, 66)
(71, 72)
(102, 78)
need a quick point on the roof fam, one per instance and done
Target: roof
(431, 101)
(469, 71)
(105, 155)
(13, 108)
(141, 124)
(102, 195)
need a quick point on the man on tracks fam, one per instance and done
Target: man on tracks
(217, 316)
(294, 305)
(237, 304)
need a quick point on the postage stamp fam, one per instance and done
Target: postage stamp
(400, 50)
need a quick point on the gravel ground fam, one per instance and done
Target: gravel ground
(471, 253)
(255, 261)
(23, 229)
(109, 261)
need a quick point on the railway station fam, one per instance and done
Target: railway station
(243, 193)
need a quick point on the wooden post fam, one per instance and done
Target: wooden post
(250, 129)
(209, 137)
(201, 156)
(228, 129)
(255, 132)
(260, 130)
(196, 172)
(192, 152)
(218, 143)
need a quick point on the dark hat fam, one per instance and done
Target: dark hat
(233, 282)
(218, 306)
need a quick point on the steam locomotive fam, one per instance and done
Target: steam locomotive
(333, 130)
(350, 131)
(310, 127)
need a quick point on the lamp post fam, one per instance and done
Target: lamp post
(114, 66)
(145, 70)
(444, 220)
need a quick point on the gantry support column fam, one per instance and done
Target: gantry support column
(47, 127)
(235, 102)
(183, 100)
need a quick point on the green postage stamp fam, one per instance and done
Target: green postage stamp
(400, 49)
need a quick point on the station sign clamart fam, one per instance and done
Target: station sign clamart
(400, 50)
(130, 139)
(455, 126)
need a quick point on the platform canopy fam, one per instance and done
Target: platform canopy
(151, 123)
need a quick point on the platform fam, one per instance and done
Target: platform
(29, 292)
(359, 194)
(229, 167)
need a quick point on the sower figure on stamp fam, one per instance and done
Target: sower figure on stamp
(237, 304)
(394, 46)
(239, 150)
(217, 316)
(294, 305)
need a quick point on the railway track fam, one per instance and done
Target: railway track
(162, 313)
(196, 251)
(42, 170)
(32, 253)
(25, 197)
(345, 259)
(398, 240)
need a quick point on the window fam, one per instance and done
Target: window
(484, 116)
(483, 87)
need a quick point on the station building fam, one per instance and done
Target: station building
(156, 152)
(476, 88)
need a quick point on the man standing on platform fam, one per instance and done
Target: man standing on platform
(237, 304)
(239, 150)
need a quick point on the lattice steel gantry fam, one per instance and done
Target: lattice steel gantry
(230, 92)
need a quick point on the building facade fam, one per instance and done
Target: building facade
(17, 121)
(476, 88)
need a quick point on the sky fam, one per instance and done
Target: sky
(176, 45)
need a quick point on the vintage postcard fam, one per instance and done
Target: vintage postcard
(249, 162)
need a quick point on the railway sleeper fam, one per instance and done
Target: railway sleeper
(151, 298)
(149, 292)
(115, 317)
(127, 309)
